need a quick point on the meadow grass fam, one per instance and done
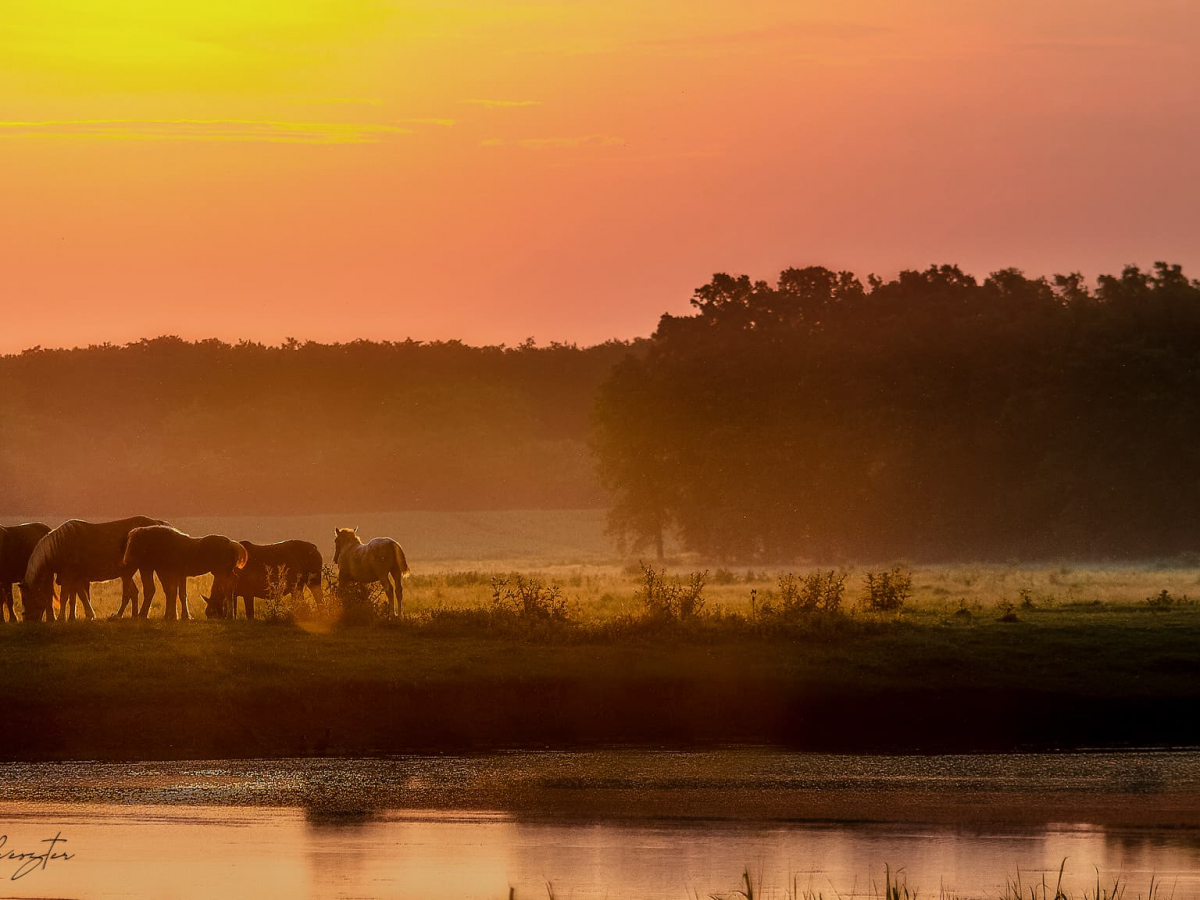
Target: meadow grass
(1106, 669)
(600, 591)
(980, 656)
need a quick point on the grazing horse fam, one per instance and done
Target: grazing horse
(78, 553)
(380, 560)
(16, 546)
(287, 567)
(173, 556)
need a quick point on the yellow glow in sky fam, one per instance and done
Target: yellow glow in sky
(489, 171)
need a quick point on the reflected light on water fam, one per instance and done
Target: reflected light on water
(203, 852)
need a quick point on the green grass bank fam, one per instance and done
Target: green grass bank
(926, 680)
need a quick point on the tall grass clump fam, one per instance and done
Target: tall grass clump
(801, 596)
(528, 599)
(816, 591)
(1164, 599)
(352, 603)
(887, 591)
(671, 600)
(275, 607)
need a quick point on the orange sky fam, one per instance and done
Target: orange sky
(334, 169)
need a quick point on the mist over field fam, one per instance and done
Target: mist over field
(822, 417)
(206, 429)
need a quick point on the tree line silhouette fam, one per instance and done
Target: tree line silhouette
(932, 416)
(209, 428)
(929, 416)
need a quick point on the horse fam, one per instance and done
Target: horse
(285, 567)
(173, 556)
(16, 546)
(380, 560)
(76, 553)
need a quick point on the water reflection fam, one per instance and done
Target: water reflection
(606, 825)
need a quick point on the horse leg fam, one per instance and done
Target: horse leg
(125, 600)
(6, 599)
(183, 598)
(129, 596)
(66, 600)
(391, 594)
(318, 593)
(85, 594)
(148, 592)
(170, 596)
(399, 593)
(248, 601)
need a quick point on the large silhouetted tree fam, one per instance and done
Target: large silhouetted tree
(930, 415)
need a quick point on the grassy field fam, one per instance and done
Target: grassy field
(597, 592)
(979, 658)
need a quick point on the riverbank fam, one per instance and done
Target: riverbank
(150, 690)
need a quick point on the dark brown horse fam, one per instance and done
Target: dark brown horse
(173, 556)
(287, 567)
(79, 553)
(16, 546)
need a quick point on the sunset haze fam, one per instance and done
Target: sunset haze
(569, 171)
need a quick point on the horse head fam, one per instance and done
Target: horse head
(343, 538)
(214, 606)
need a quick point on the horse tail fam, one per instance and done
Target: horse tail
(243, 555)
(127, 553)
(400, 568)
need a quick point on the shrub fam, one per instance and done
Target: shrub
(674, 600)
(352, 603)
(275, 607)
(1164, 599)
(888, 591)
(528, 599)
(724, 576)
(1008, 612)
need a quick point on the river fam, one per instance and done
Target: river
(609, 824)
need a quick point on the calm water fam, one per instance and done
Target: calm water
(602, 825)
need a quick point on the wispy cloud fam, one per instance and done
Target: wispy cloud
(244, 130)
(347, 101)
(497, 104)
(785, 32)
(586, 140)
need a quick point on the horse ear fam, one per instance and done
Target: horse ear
(356, 529)
(336, 532)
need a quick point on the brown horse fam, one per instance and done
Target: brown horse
(78, 553)
(16, 546)
(287, 567)
(380, 560)
(173, 556)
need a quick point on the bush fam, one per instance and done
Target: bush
(888, 591)
(360, 604)
(528, 599)
(674, 600)
(815, 591)
(1164, 599)
(275, 607)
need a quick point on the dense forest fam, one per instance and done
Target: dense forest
(206, 428)
(930, 416)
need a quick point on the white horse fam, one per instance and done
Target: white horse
(380, 560)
